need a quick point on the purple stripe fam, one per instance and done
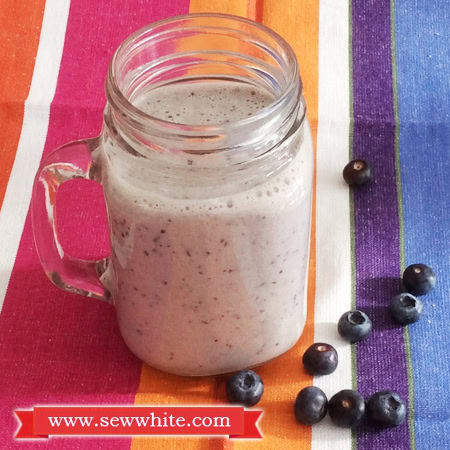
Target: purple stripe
(381, 361)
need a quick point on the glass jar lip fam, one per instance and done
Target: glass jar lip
(141, 120)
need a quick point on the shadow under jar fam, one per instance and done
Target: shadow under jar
(205, 159)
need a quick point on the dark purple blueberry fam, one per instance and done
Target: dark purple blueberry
(310, 405)
(357, 171)
(386, 408)
(346, 408)
(405, 308)
(320, 359)
(354, 326)
(419, 279)
(245, 387)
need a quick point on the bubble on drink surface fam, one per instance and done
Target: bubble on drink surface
(200, 104)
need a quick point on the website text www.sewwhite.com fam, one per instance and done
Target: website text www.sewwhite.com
(231, 421)
(151, 421)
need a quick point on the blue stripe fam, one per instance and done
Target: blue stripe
(423, 76)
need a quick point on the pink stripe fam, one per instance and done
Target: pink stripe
(55, 347)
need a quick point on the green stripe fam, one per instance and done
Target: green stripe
(411, 422)
(354, 366)
(397, 140)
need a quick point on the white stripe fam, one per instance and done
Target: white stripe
(333, 256)
(32, 138)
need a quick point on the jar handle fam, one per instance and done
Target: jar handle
(70, 161)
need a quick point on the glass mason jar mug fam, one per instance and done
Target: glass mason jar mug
(205, 159)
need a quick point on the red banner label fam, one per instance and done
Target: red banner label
(45, 421)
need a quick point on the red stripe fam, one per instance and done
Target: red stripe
(59, 348)
(255, 10)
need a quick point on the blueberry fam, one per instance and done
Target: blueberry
(346, 408)
(354, 326)
(357, 171)
(245, 387)
(310, 405)
(320, 359)
(419, 279)
(386, 408)
(406, 309)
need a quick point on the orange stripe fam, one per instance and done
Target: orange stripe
(298, 22)
(20, 26)
(283, 377)
(236, 7)
(158, 388)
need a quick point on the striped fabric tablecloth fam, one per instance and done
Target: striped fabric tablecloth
(377, 85)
